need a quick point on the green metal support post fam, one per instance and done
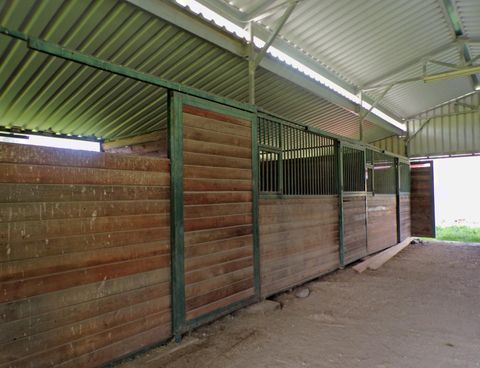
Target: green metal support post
(397, 196)
(175, 130)
(339, 159)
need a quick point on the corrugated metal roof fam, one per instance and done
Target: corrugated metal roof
(469, 13)
(363, 40)
(44, 93)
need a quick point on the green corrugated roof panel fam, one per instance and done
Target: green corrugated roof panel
(45, 93)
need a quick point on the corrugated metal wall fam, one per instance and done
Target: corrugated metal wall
(453, 128)
(393, 144)
(449, 129)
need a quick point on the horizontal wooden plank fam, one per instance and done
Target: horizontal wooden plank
(192, 111)
(203, 236)
(17, 289)
(242, 295)
(218, 294)
(143, 138)
(43, 174)
(207, 260)
(151, 149)
(195, 276)
(36, 155)
(33, 230)
(60, 263)
(203, 172)
(64, 210)
(202, 249)
(76, 297)
(199, 288)
(68, 316)
(57, 336)
(34, 193)
(122, 348)
(216, 137)
(219, 149)
(202, 223)
(196, 198)
(27, 248)
(229, 126)
(217, 209)
(199, 185)
(200, 159)
(65, 352)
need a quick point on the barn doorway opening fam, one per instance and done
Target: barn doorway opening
(457, 203)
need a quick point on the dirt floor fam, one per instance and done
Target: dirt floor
(421, 309)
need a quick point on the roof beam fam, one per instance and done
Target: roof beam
(176, 15)
(418, 60)
(278, 26)
(450, 10)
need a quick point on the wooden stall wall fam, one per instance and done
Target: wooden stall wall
(154, 144)
(298, 240)
(423, 199)
(218, 211)
(84, 256)
(381, 221)
(355, 227)
(405, 224)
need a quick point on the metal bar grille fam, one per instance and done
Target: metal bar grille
(384, 178)
(353, 170)
(294, 161)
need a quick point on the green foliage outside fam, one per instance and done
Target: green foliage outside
(459, 233)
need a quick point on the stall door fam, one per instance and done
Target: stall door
(215, 266)
(422, 201)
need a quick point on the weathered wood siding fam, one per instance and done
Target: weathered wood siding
(218, 211)
(84, 256)
(355, 227)
(153, 144)
(381, 222)
(405, 224)
(298, 240)
(422, 200)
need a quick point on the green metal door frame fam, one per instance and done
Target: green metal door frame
(397, 198)
(177, 100)
(339, 159)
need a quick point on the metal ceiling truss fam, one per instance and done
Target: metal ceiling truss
(460, 42)
(172, 13)
(255, 58)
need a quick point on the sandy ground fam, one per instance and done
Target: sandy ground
(421, 309)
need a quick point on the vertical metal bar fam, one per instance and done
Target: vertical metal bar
(339, 175)
(251, 64)
(175, 131)
(360, 118)
(295, 141)
(255, 204)
(280, 159)
(397, 198)
(315, 164)
(304, 168)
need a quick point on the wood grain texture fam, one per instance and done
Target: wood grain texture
(381, 222)
(84, 256)
(422, 200)
(217, 211)
(153, 144)
(298, 240)
(355, 228)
